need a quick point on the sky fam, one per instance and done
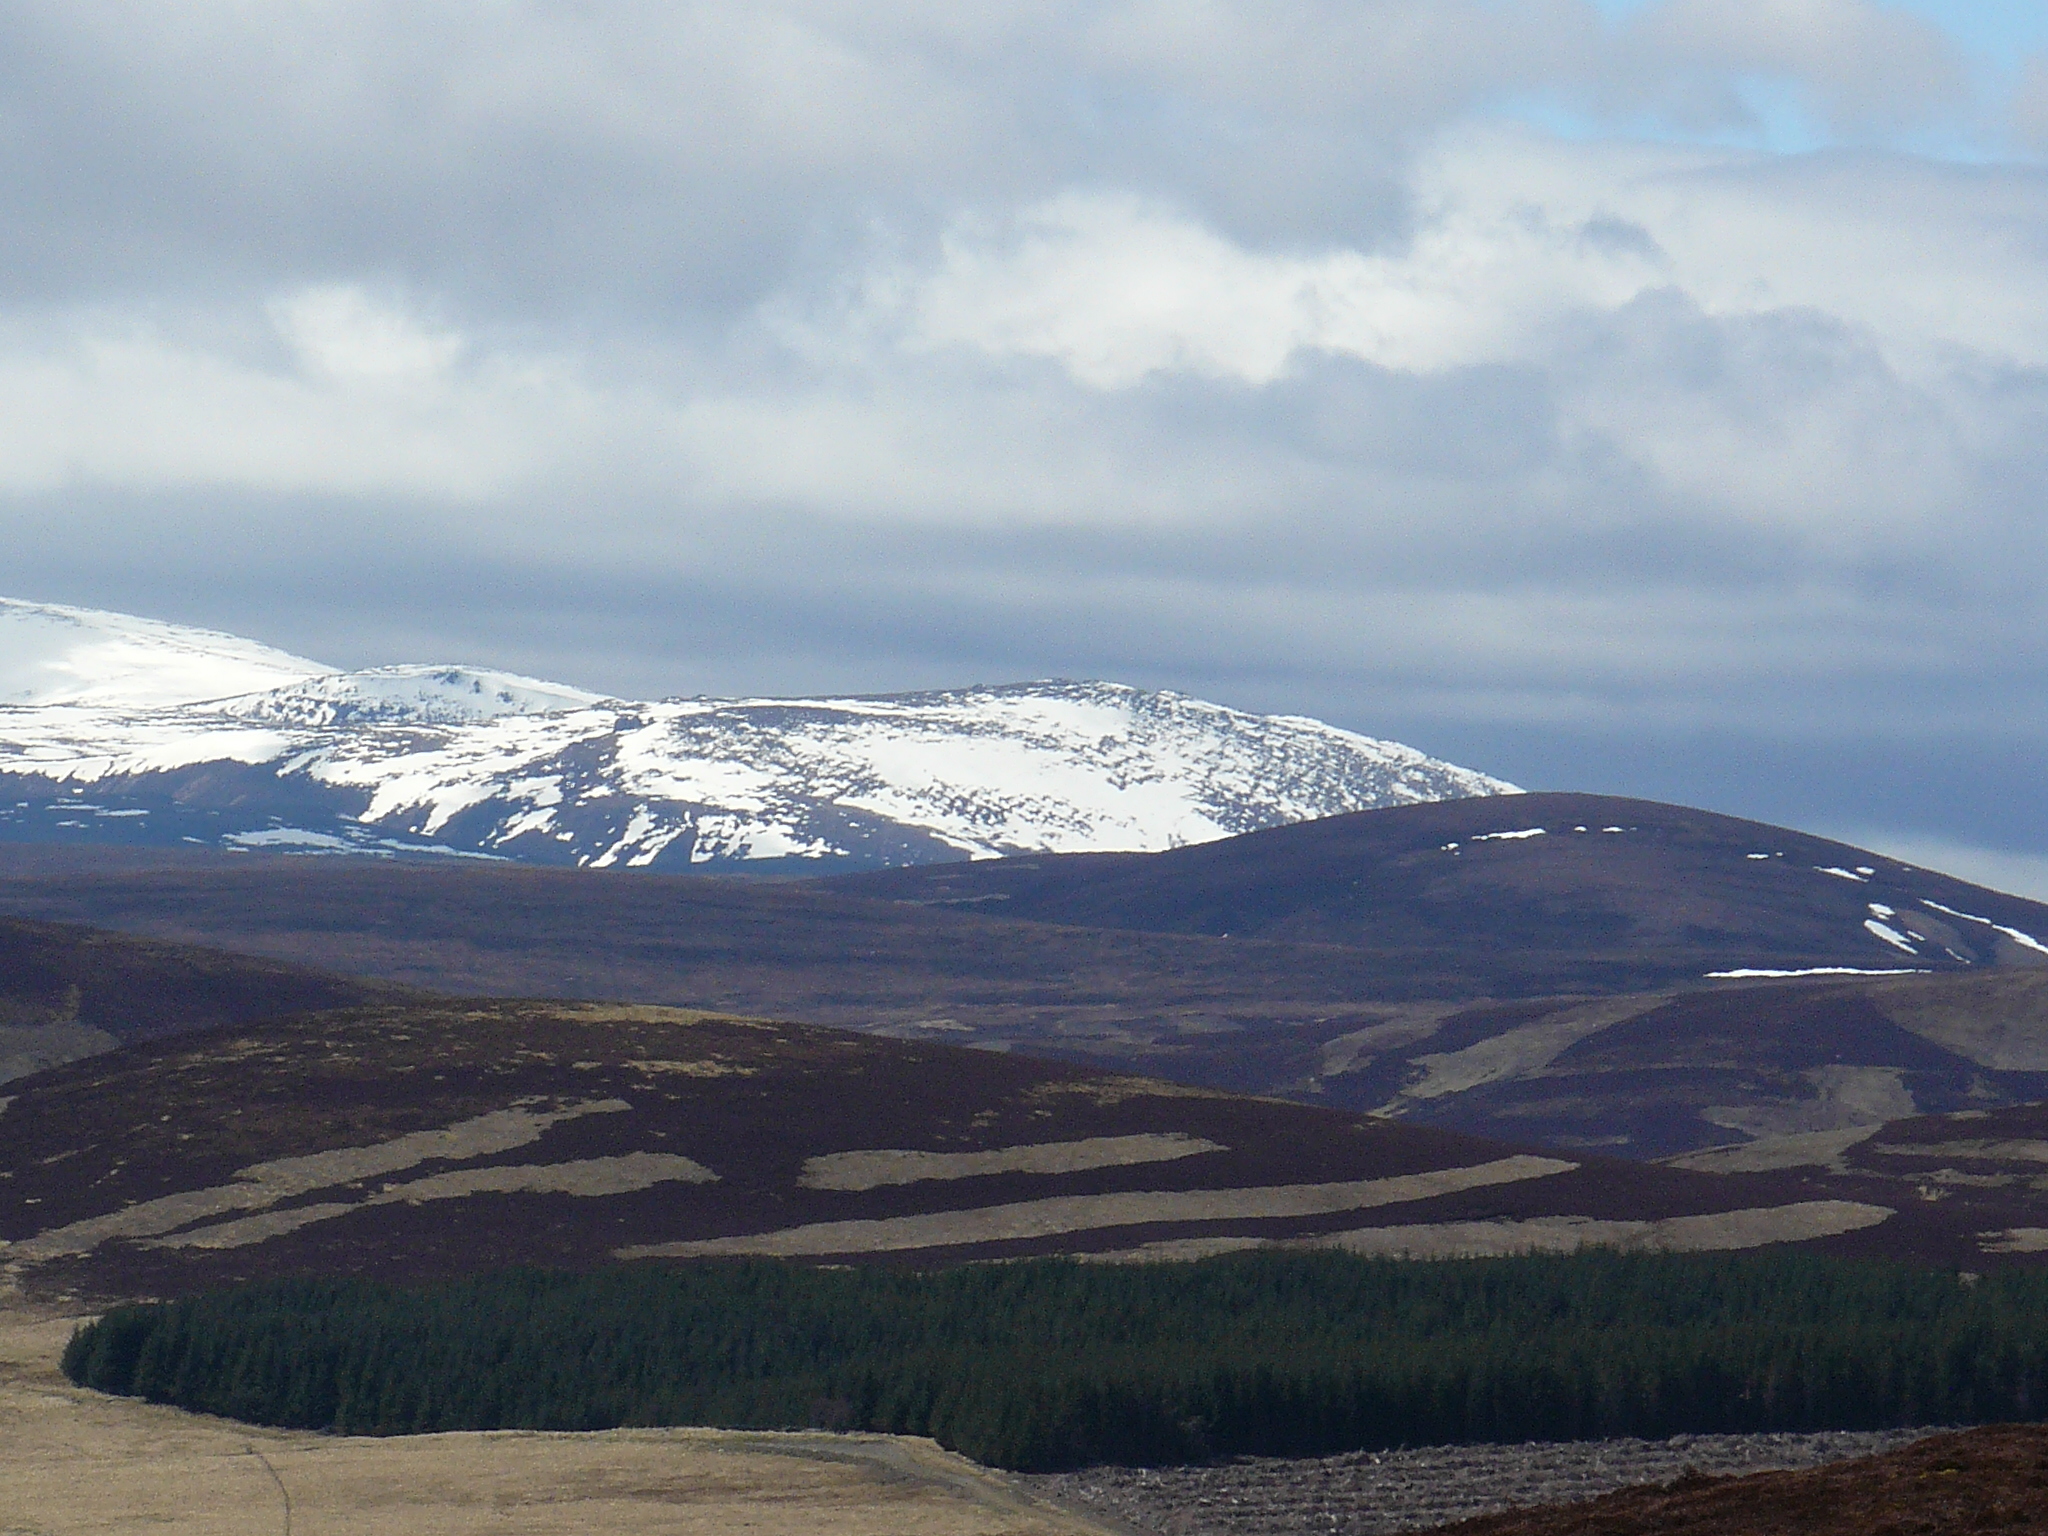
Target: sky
(1648, 398)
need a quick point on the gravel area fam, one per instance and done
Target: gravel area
(1367, 1492)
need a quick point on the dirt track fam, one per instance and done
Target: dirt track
(74, 1461)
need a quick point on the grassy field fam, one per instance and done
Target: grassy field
(73, 1461)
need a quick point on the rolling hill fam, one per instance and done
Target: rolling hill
(68, 992)
(1574, 880)
(422, 1140)
(1532, 987)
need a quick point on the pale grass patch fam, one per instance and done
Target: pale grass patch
(1061, 1215)
(885, 1165)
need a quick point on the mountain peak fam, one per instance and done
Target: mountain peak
(50, 654)
(131, 730)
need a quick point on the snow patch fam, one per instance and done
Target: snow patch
(56, 655)
(288, 837)
(436, 695)
(2016, 935)
(1509, 837)
(1754, 972)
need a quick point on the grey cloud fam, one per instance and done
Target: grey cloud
(643, 161)
(639, 153)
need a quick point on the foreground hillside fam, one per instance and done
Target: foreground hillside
(78, 1463)
(434, 1140)
(1991, 1479)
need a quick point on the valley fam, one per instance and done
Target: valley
(1648, 993)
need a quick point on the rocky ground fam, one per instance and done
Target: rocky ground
(1364, 1493)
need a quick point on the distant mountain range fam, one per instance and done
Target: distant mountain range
(116, 729)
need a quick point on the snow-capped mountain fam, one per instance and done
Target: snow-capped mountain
(53, 655)
(114, 728)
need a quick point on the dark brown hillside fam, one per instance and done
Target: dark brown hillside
(1976, 1481)
(442, 1138)
(1643, 1056)
(753, 947)
(1543, 874)
(1423, 902)
(67, 991)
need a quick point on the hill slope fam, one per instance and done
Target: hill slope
(1579, 877)
(441, 1139)
(1616, 1042)
(68, 992)
(1985, 1479)
(52, 655)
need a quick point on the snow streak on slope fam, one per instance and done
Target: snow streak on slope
(469, 760)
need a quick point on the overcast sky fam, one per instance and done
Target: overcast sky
(1649, 398)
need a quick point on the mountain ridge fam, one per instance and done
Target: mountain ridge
(427, 760)
(1551, 869)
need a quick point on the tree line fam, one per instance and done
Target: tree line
(1051, 1363)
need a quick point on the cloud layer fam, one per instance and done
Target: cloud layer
(1491, 371)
